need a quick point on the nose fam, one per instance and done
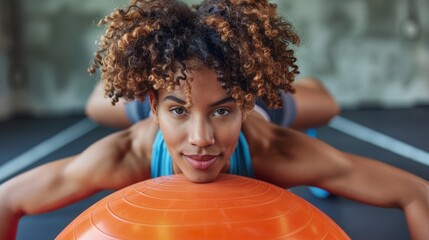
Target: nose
(201, 133)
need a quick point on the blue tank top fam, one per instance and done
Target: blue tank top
(162, 163)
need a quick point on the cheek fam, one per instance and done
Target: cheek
(172, 132)
(228, 134)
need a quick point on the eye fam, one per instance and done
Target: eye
(178, 111)
(221, 112)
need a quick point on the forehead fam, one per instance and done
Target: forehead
(197, 78)
(200, 84)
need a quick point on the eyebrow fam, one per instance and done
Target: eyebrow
(174, 99)
(181, 101)
(220, 102)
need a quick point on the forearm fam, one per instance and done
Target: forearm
(42, 189)
(417, 213)
(39, 190)
(9, 218)
(8, 225)
(379, 184)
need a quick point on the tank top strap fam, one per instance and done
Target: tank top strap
(161, 162)
(241, 161)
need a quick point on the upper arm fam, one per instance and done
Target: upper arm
(107, 164)
(41, 189)
(309, 161)
(295, 159)
(111, 163)
(376, 183)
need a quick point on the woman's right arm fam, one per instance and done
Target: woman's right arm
(41, 189)
(107, 164)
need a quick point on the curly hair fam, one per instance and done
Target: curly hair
(244, 41)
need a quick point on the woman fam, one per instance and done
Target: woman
(203, 70)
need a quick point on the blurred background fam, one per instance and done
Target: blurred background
(367, 52)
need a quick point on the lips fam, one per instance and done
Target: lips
(201, 162)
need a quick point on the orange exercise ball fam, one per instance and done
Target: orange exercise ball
(231, 207)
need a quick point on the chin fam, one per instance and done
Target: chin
(202, 178)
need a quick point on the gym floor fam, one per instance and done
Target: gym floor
(398, 137)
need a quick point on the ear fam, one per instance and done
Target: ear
(153, 100)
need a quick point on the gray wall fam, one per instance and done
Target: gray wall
(359, 49)
(58, 40)
(355, 47)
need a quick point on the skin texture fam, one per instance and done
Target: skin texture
(281, 156)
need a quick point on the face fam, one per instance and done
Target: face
(200, 138)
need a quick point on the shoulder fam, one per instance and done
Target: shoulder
(119, 159)
(142, 136)
(265, 138)
(287, 157)
(136, 139)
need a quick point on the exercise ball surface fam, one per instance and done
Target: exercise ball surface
(231, 207)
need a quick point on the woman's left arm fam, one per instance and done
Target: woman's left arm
(293, 159)
(379, 184)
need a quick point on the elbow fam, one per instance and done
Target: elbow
(331, 108)
(418, 195)
(330, 104)
(89, 111)
(93, 111)
(334, 109)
